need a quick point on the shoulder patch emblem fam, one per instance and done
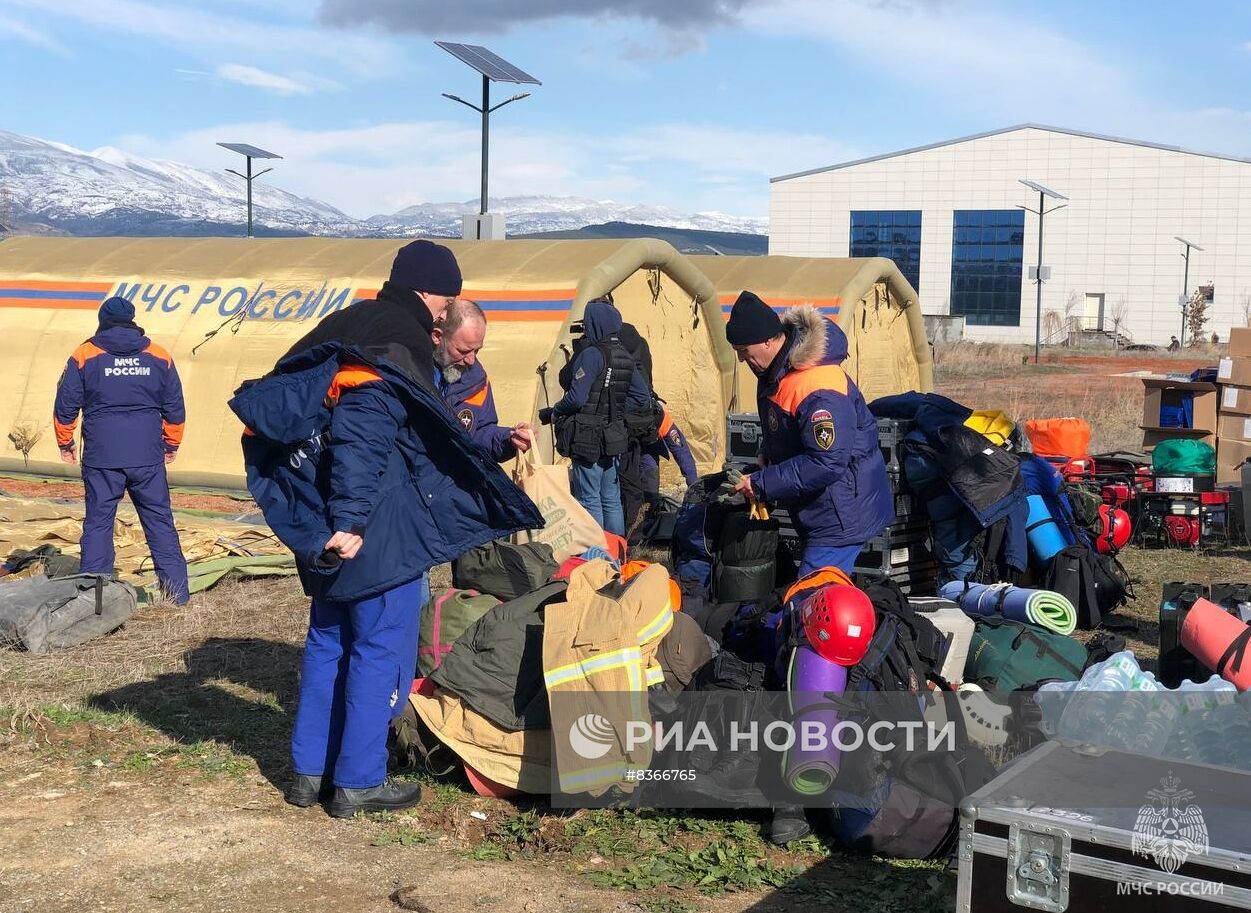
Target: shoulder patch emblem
(466, 418)
(581, 374)
(674, 437)
(822, 415)
(773, 420)
(824, 434)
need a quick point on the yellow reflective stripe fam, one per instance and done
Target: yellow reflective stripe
(658, 626)
(595, 776)
(586, 667)
(655, 675)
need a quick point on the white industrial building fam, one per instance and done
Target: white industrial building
(949, 214)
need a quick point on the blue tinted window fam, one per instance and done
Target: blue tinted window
(986, 257)
(893, 234)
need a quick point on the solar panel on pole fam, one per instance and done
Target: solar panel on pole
(250, 151)
(488, 63)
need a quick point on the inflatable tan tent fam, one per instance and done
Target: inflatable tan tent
(228, 308)
(868, 297)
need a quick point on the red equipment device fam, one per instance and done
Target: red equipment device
(1116, 530)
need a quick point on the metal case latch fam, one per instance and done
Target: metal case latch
(1038, 867)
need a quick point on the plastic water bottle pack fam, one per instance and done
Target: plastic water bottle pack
(1117, 704)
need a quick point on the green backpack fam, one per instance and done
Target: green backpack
(1183, 457)
(445, 618)
(1006, 655)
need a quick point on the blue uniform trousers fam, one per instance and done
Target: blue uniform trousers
(816, 557)
(359, 661)
(149, 492)
(597, 487)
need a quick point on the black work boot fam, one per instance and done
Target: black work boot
(306, 791)
(391, 796)
(789, 824)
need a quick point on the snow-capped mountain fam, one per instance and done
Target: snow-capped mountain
(534, 214)
(112, 192)
(54, 188)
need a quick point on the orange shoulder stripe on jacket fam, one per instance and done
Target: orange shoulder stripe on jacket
(157, 352)
(797, 386)
(85, 352)
(665, 424)
(479, 398)
(350, 376)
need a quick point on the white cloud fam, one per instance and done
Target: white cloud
(982, 58)
(23, 32)
(210, 35)
(257, 78)
(380, 168)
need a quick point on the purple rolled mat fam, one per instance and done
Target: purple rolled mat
(810, 771)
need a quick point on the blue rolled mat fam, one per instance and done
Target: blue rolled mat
(1046, 538)
(810, 678)
(1038, 607)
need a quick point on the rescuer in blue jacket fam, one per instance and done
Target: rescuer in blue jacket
(820, 447)
(129, 394)
(590, 420)
(361, 471)
(464, 385)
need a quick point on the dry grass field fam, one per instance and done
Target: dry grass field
(143, 772)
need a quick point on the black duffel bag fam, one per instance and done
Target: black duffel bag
(503, 569)
(744, 566)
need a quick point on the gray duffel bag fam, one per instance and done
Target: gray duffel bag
(42, 614)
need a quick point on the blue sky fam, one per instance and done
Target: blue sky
(687, 103)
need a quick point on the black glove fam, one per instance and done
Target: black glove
(545, 416)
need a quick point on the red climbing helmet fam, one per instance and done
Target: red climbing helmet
(1116, 529)
(839, 622)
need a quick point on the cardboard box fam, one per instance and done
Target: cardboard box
(1161, 391)
(1234, 428)
(1230, 455)
(1240, 341)
(1153, 436)
(1235, 400)
(1235, 369)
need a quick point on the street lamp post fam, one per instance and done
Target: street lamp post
(249, 152)
(1041, 211)
(493, 69)
(1185, 295)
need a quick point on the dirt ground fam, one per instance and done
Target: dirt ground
(144, 771)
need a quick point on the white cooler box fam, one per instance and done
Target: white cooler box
(956, 626)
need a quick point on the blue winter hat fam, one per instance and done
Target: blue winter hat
(116, 312)
(424, 266)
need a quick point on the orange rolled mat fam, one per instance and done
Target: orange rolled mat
(1219, 641)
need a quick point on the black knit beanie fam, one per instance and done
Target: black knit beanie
(751, 321)
(424, 266)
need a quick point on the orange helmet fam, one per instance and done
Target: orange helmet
(839, 622)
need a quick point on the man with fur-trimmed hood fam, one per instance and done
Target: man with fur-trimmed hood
(820, 451)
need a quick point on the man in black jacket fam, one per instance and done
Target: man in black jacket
(425, 279)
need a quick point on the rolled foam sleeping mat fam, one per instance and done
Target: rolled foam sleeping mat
(809, 678)
(1046, 539)
(1219, 641)
(1040, 607)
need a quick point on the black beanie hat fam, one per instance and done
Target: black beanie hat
(424, 266)
(751, 321)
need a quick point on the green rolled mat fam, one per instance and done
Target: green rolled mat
(1041, 607)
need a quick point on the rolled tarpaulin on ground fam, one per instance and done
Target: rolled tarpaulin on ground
(1040, 607)
(810, 678)
(1219, 641)
(1046, 539)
